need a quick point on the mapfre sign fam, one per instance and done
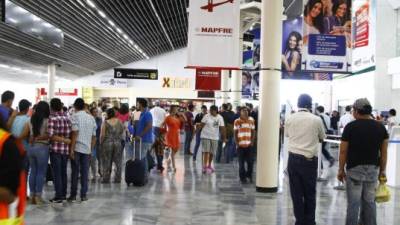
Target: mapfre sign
(214, 33)
(176, 82)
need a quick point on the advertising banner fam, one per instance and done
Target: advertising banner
(213, 35)
(140, 74)
(326, 41)
(251, 67)
(292, 53)
(364, 36)
(208, 79)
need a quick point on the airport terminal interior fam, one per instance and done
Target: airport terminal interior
(200, 112)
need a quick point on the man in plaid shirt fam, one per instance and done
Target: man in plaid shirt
(59, 129)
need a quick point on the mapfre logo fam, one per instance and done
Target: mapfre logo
(212, 4)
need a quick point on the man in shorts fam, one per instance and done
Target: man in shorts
(212, 124)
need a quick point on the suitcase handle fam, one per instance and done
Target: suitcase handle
(134, 148)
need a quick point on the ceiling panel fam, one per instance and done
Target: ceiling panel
(93, 43)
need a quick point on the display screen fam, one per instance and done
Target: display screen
(31, 24)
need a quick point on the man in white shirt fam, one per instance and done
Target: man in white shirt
(212, 125)
(304, 131)
(326, 121)
(159, 115)
(346, 118)
(392, 120)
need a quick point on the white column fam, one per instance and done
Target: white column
(225, 86)
(51, 73)
(236, 77)
(268, 124)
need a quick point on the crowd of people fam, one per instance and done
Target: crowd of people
(94, 138)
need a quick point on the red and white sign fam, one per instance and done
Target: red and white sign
(214, 33)
(208, 79)
(61, 92)
(362, 26)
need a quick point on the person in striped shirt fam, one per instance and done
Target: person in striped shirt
(244, 128)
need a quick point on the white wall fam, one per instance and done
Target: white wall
(387, 24)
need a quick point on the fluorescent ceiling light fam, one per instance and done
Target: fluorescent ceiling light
(27, 71)
(4, 66)
(80, 2)
(126, 37)
(137, 47)
(12, 20)
(16, 68)
(90, 3)
(131, 42)
(119, 30)
(111, 23)
(35, 18)
(102, 14)
(47, 25)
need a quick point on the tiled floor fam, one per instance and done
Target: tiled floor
(189, 197)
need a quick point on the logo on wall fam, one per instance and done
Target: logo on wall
(211, 5)
(176, 82)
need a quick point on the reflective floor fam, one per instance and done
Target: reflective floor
(189, 197)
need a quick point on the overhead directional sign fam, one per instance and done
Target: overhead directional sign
(140, 74)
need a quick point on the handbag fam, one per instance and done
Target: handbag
(382, 194)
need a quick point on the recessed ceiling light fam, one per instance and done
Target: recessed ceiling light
(102, 14)
(111, 23)
(90, 3)
(119, 30)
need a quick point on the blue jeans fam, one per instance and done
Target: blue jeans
(188, 141)
(59, 167)
(38, 156)
(80, 165)
(197, 146)
(227, 151)
(303, 187)
(361, 182)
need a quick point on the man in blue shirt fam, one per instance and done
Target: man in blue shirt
(144, 131)
(7, 113)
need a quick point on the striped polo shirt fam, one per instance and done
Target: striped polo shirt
(244, 128)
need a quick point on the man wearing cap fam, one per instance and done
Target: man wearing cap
(305, 132)
(363, 151)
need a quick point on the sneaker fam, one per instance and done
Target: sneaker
(71, 199)
(56, 200)
(84, 199)
(39, 201)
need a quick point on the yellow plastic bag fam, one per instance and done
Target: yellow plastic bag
(13, 221)
(382, 193)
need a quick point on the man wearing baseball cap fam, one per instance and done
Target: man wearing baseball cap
(363, 151)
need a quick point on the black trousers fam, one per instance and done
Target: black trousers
(245, 155)
(303, 187)
(325, 152)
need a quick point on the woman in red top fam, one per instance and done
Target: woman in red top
(173, 122)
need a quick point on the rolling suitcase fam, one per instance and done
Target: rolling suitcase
(135, 171)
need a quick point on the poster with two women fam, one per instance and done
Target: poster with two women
(327, 38)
